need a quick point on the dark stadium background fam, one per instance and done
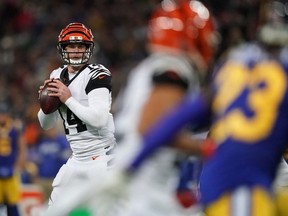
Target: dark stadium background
(29, 30)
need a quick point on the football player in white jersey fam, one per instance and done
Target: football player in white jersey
(85, 91)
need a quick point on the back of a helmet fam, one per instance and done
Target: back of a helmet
(200, 29)
(166, 28)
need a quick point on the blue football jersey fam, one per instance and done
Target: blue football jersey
(251, 129)
(8, 149)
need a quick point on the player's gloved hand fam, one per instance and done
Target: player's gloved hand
(208, 147)
(187, 198)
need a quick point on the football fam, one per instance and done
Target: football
(48, 104)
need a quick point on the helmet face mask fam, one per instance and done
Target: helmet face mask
(75, 33)
(274, 30)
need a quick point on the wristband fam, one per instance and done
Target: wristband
(208, 147)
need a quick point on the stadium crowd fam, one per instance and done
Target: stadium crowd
(29, 29)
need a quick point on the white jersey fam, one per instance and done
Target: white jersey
(85, 140)
(159, 175)
(139, 85)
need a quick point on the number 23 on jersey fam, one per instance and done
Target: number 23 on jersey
(258, 90)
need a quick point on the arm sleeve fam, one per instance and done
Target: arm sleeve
(97, 112)
(191, 109)
(47, 121)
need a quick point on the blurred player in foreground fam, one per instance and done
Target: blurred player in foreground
(249, 103)
(153, 87)
(85, 91)
(12, 160)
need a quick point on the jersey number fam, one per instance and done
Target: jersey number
(74, 120)
(266, 80)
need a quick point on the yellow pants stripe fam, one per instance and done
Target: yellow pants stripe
(243, 201)
(10, 190)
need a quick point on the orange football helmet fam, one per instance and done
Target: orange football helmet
(75, 33)
(184, 26)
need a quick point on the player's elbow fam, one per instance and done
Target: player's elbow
(46, 121)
